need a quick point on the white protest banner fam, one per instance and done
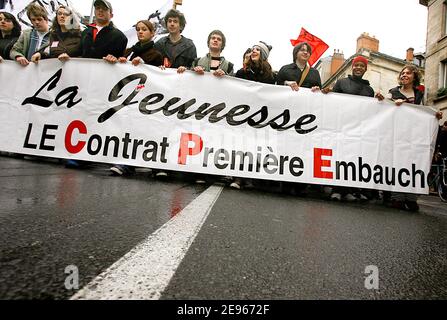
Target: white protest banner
(143, 116)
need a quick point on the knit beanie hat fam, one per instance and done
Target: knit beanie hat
(265, 49)
(298, 47)
(360, 59)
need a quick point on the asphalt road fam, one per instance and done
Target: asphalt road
(254, 244)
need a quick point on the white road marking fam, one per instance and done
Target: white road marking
(145, 271)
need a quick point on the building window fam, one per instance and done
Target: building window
(442, 78)
(444, 74)
(445, 18)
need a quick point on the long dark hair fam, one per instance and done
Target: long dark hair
(261, 68)
(17, 29)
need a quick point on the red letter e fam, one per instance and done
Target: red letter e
(319, 163)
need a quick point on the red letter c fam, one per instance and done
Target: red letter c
(77, 124)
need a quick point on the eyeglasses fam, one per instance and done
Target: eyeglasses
(63, 14)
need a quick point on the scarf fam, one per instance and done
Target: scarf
(138, 49)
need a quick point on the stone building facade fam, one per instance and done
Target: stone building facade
(383, 69)
(436, 55)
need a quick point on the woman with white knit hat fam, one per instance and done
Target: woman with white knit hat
(258, 68)
(255, 69)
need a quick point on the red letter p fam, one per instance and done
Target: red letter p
(185, 150)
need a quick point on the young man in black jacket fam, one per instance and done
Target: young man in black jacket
(296, 75)
(102, 40)
(354, 84)
(300, 73)
(177, 50)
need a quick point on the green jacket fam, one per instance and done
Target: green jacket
(20, 48)
(205, 63)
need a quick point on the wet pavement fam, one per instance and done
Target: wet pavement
(292, 248)
(52, 217)
(254, 244)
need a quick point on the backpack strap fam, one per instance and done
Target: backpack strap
(304, 74)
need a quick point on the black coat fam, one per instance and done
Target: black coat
(441, 142)
(147, 52)
(185, 52)
(109, 40)
(396, 94)
(6, 45)
(291, 72)
(355, 86)
(249, 74)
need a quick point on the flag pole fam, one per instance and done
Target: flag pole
(92, 12)
(176, 3)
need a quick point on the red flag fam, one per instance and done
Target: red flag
(318, 45)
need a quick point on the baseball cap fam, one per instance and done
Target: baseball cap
(103, 2)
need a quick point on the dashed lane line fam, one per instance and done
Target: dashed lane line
(145, 271)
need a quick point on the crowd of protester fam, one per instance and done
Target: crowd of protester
(102, 40)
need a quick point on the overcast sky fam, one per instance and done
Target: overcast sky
(398, 24)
